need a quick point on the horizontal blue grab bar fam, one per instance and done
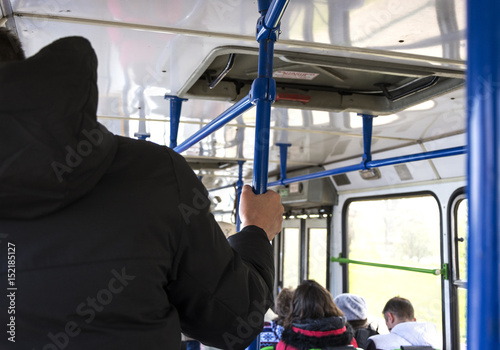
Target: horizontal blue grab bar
(318, 175)
(232, 112)
(416, 157)
(375, 163)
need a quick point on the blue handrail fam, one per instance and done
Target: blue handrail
(263, 93)
(272, 17)
(374, 164)
(239, 189)
(447, 152)
(232, 112)
(275, 13)
(483, 90)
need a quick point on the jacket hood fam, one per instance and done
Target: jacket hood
(318, 333)
(53, 151)
(321, 324)
(418, 333)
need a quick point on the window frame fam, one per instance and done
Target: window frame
(303, 225)
(345, 208)
(455, 283)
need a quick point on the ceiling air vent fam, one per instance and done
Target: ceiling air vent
(321, 82)
(341, 180)
(403, 172)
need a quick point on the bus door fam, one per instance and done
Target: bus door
(302, 249)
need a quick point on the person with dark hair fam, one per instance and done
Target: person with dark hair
(314, 321)
(115, 245)
(354, 308)
(404, 328)
(283, 305)
(10, 47)
(271, 334)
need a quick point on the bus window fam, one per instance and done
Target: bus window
(291, 257)
(317, 260)
(397, 231)
(461, 283)
(304, 250)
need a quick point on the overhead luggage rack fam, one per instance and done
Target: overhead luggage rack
(321, 82)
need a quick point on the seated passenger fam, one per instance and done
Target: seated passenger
(271, 334)
(354, 308)
(404, 330)
(314, 321)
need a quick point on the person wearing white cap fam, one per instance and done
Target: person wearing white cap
(355, 311)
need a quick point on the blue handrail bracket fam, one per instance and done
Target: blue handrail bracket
(367, 137)
(175, 117)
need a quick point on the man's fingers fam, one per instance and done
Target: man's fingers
(246, 188)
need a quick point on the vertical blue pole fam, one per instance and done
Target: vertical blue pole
(263, 5)
(264, 87)
(193, 345)
(255, 344)
(263, 91)
(239, 188)
(483, 90)
(367, 137)
(175, 116)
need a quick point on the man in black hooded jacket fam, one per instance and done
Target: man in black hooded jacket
(108, 242)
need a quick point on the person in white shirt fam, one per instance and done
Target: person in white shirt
(404, 328)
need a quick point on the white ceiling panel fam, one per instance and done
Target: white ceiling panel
(149, 49)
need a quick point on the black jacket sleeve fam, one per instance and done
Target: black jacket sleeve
(370, 345)
(221, 290)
